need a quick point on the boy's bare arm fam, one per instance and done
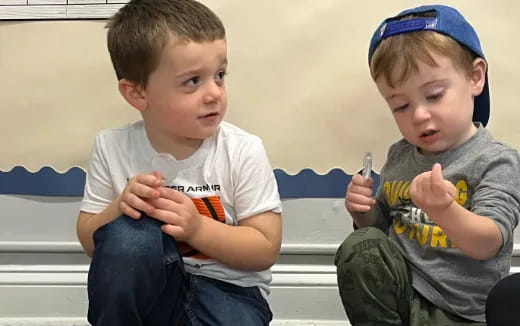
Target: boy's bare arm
(88, 223)
(253, 245)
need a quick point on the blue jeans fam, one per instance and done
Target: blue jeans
(137, 277)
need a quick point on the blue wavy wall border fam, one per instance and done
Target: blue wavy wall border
(48, 182)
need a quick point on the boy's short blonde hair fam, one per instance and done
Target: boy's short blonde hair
(139, 31)
(404, 51)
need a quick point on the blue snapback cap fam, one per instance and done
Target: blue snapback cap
(448, 21)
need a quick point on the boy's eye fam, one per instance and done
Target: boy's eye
(399, 108)
(434, 97)
(221, 75)
(194, 81)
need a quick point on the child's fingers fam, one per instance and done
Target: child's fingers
(358, 208)
(358, 179)
(173, 195)
(437, 180)
(360, 199)
(173, 230)
(167, 217)
(158, 175)
(151, 180)
(129, 211)
(143, 191)
(414, 187)
(166, 204)
(421, 184)
(360, 189)
(135, 203)
(359, 203)
(452, 191)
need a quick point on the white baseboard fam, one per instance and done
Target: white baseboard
(299, 292)
(57, 321)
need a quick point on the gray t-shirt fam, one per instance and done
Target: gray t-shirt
(486, 174)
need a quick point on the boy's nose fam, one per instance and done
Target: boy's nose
(214, 92)
(421, 114)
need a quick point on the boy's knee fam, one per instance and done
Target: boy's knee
(125, 238)
(359, 250)
(358, 241)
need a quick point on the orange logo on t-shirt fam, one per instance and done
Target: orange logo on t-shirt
(210, 207)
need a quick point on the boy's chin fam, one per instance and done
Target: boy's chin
(206, 132)
(432, 150)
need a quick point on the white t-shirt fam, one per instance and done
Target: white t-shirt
(229, 177)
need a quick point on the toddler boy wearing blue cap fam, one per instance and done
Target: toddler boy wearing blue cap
(439, 233)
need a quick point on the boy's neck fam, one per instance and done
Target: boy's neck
(180, 147)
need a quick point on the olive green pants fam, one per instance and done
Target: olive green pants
(375, 285)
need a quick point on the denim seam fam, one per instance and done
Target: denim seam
(189, 298)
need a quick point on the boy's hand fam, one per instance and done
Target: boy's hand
(359, 194)
(140, 189)
(178, 212)
(431, 192)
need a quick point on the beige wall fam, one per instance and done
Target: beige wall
(298, 78)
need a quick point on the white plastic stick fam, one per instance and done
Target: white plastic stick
(367, 165)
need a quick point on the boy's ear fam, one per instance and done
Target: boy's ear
(134, 94)
(478, 78)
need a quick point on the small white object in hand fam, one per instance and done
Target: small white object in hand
(167, 165)
(367, 165)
